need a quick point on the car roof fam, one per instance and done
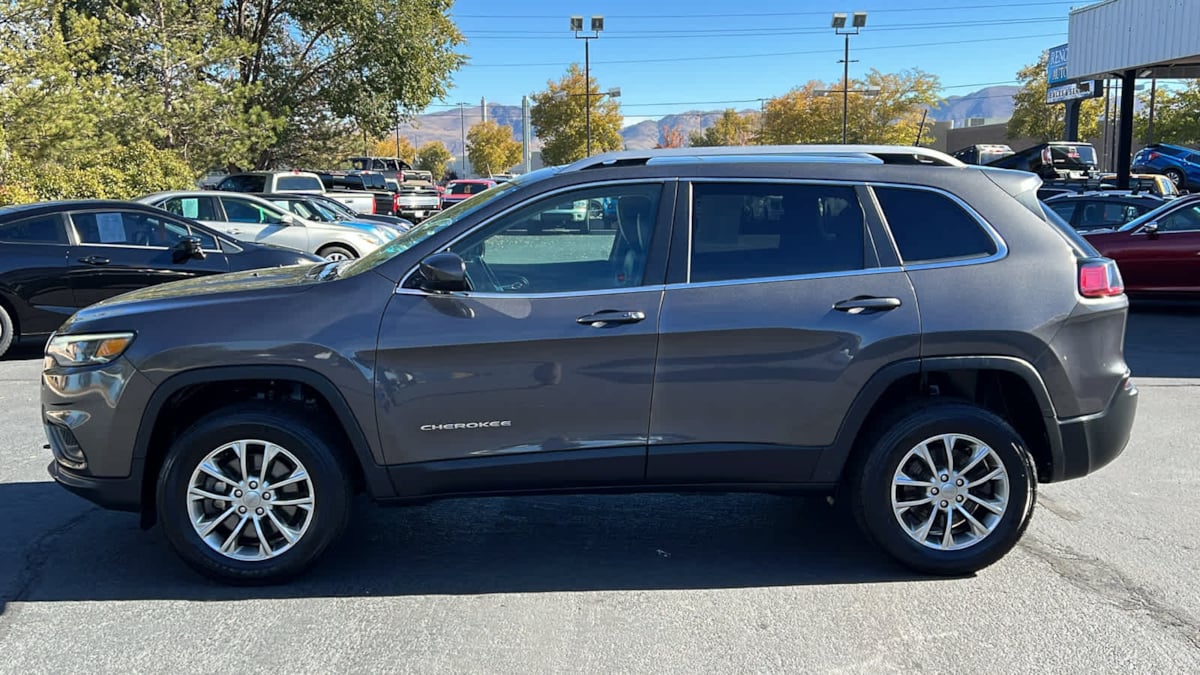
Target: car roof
(69, 204)
(867, 154)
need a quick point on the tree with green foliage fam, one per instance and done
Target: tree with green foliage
(1034, 118)
(559, 118)
(1176, 116)
(434, 157)
(729, 129)
(491, 148)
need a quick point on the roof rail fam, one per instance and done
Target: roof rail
(888, 154)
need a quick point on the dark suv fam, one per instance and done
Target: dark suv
(915, 336)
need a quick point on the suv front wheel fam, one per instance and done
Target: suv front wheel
(252, 494)
(945, 488)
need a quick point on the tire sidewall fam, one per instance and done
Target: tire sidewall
(328, 485)
(335, 248)
(1175, 176)
(876, 488)
(7, 331)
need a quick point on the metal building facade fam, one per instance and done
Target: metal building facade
(1118, 35)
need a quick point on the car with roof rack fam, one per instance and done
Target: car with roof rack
(1102, 210)
(917, 338)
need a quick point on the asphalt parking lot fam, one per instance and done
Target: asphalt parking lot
(1105, 580)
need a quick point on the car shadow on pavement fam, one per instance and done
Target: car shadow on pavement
(1160, 339)
(468, 546)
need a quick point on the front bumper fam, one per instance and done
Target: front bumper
(1092, 441)
(121, 494)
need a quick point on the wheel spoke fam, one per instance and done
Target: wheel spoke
(240, 448)
(197, 493)
(980, 452)
(287, 532)
(268, 454)
(299, 501)
(993, 474)
(264, 546)
(977, 527)
(917, 502)
(904, 480)
(997, 509)
(212, 524)
(949, 441)
(922, 451)
(948, 534)
(297, 476)
(233, 536)
(923, 533)
(213, 471)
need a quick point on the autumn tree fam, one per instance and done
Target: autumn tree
(672, 137)
(433, 157)
(1034, 118)
(390, 146)
(558, 116)
(729, 129)
(491, 148)
(1176, 116)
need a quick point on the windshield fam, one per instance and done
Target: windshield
(467, 188)
(337, 207)
(426, 229)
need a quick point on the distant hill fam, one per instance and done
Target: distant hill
(991, 102)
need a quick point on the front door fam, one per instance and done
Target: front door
(541, 374)
(248, 220)
(1168, 261)
(116, 251)
(778, 315)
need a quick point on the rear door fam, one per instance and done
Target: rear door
(116, 251)
(33, 262)
(778, 311)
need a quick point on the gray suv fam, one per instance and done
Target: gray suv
(918, 337)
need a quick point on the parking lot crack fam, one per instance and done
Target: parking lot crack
(36, 557)
(1100, 578)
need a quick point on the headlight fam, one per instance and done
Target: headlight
(87, 350)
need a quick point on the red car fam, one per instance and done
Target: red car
(1158, 253)
(461, 190)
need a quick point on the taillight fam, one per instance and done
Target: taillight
(1153, 156)
(1047, 156)
(1100, 278)
(396, 203)
(374, 208)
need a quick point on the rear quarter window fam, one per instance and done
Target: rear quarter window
(298, 183)
(930, 227)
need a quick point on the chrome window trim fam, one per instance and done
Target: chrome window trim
(533, 296)
(798, 277)
(514, 207)
(71, 229)
(1001, 245)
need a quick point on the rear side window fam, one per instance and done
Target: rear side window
(298, 183)
(38, 230)
(931, 227)
(747, 231)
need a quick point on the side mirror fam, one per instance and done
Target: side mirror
(187, 248)
(443, 273)
(1151, 229)
(287, 219)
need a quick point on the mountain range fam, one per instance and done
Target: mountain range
(449, 126)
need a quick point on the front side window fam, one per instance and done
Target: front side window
(748, 231)
(929, 226)
(1182, 220)
(129, 228)
(243, 183)
(299, 183)
(242, 211)
(37, 230)
(557, 244)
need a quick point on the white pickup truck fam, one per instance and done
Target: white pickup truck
(266, 182)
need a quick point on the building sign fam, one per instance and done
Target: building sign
(1056, 65)
(1074, 92)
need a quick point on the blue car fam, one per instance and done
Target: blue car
(1180, 164)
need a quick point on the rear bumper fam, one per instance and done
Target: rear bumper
(1092, 441)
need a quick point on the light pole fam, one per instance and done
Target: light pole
(577, 28)
(462, 130)
(839, 27)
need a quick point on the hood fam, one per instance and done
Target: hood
(202, 290)
(385, 233)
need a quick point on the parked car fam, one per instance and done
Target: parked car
(56, 257)
(1149, 183)
(459, 190)
(801, 321)
(1139, 183)
(307, 208)
(1102, 210)
(251, 218)
(302, 182)
(1180, 164)
(982, 153)
(347, 213)
(1057, 159)
(361, 182)
(1157, 253)
(418, 198)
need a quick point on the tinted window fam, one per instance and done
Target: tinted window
(130, 228)
(1181, 220)
(38, 230)
(242, 211)
(374, 181)
(561, 243)
(745, 231)
(200, 208)
(929, 226)
(243, 183)
(1063, 207)
(1105, 214)
(298, 183)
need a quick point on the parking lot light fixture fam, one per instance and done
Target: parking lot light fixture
(858, 21)
(597, 26)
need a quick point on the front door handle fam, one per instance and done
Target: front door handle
(865, 304)
(94, 260)
(607, 317)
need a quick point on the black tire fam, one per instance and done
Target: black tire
(334, 249)
(331, 487)
(7, 332)
(1176, 177)
(870, 483)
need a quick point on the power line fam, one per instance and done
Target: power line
(889, 10)
(772, 54)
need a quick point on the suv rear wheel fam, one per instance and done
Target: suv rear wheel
(946, 488)
(252, 494)
(1176, 177)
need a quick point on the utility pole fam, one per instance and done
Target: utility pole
(525, 158)
(839, 24)
(577, 28)
(1150, 125)
(462, 124)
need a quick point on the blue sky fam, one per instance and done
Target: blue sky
(661, 54)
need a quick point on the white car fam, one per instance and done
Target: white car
(251, 218)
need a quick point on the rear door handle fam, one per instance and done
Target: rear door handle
(94, 260)
(610, 316)
(864, 304)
